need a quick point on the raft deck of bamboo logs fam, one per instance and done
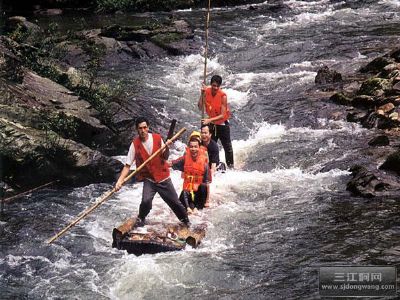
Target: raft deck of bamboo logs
(156, 237)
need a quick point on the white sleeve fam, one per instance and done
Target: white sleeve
(130, 158)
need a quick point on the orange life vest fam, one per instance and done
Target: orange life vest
(214, 105)
(157, 169)
(193, 171)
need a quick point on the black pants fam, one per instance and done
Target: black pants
(200, 197)
(223, 132)
(167, 192)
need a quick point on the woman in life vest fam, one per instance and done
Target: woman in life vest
(195, 174)
(215, 102)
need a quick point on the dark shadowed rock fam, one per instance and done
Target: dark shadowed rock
(371, 120)
(392, 162)
(31, 156)
(365, 101)
(380, 140)
(327, 76)
(356, 116)
(395, 54)
(376, 65)
(396, 88)
(365, 183)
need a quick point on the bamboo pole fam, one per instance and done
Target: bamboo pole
(109, 193)
(27, 192)
(205, 57)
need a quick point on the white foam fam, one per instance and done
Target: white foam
(262, 133)
(393, 3)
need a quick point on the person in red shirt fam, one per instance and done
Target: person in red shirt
(214, 99)
(155, 175)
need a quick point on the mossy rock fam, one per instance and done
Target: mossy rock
(375, 86)
(341, 99)
(166, 41)
(124, 33)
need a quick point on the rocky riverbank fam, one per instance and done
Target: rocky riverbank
(56, 7)
(58, 118)
(371, 97)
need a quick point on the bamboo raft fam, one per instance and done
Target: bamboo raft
(156, 237)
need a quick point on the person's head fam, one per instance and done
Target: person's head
(142, 127)
(194, 145)
(206, 134)
(215, 82)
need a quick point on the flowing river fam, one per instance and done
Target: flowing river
(280, 215)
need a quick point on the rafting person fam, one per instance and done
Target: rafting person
(155, 175)
(216, 105)
(195, 173)
(212, 147)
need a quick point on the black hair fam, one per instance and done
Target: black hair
(217, 79)
(210, 127)
(195, 139)
(141, 120)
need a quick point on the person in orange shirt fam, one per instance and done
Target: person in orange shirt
(215, 102)
(195, 174)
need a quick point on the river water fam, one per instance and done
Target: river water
(280, 215)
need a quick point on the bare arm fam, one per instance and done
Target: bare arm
(122, 176)
(213, 169)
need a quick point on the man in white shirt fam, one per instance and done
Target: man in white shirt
(155, 175)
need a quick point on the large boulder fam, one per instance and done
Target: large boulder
(31, 156)
(60, 105)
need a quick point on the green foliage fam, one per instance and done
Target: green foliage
(113, 5)
(20, 34)
(373, 85)
(42, 55)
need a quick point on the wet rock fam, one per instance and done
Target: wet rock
(380, 140)
(364, 101)
(33, 156)
(394, 116)
(370, 121)
(125, 33)
(392, 162)
(396, 88)
(124, 44)
(356, 116)
(326, 76)
(375, 87)
(386, 109)
(341, 99)
(365, 183)
(376, 65)
(395, 54)
(390, 71)
(49, 12)
(351, 88)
